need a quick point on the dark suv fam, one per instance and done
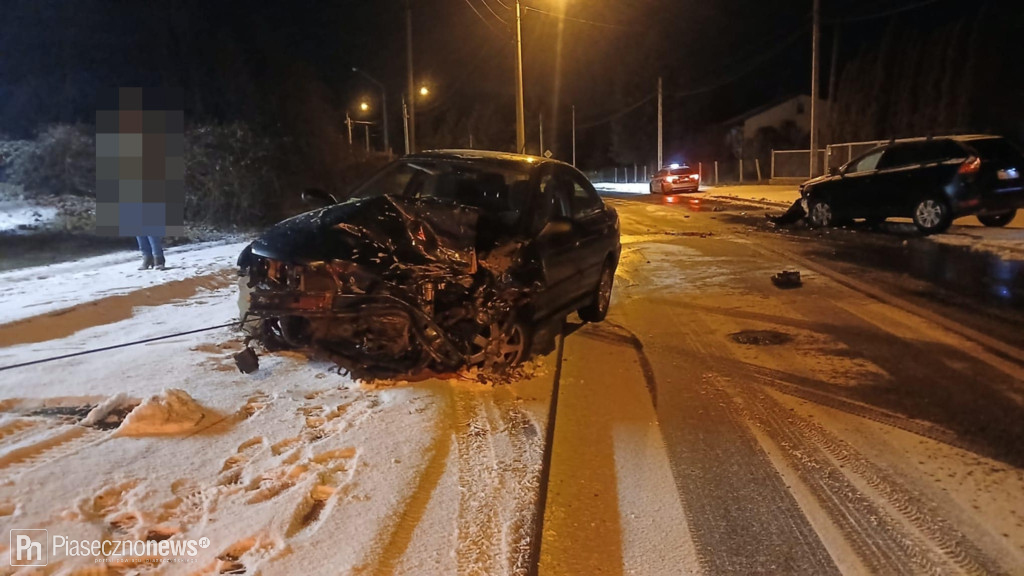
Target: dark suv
(931, 180)
(443, 259)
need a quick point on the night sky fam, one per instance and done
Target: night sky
(719, 58)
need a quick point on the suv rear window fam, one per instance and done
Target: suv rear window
(921, 153)
(915, 153)
(996, 149)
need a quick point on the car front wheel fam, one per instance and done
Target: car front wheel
(821, 215)
(997, 220)
(932, 216)
(597, 310)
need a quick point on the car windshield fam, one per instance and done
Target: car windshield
(499, 192)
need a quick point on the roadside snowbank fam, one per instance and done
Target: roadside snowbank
(39, 290)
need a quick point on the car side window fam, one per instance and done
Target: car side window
(866, 164)
(899, 156)
(585, 201)
(555, 200)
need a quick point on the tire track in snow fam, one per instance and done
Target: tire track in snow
(519, 483)
(479, 522)
(924, 516)
(64, 441)
(400, 537)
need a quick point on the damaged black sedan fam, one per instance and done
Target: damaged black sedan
(442, 260)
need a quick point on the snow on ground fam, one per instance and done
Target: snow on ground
(623, 188)
(40, 290)
(16, 216)
(292, 470)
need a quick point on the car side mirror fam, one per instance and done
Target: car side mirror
(318, 198)
(833, 171)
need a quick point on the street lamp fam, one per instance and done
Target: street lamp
(424, 91)
(383, 105)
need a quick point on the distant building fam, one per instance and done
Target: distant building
(787, 115)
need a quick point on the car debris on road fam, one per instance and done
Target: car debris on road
(787, 279)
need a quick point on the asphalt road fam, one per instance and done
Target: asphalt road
(870, 421)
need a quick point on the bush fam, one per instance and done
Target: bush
(230, 177)
(61, 161)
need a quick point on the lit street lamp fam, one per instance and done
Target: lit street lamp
(383, 106)
(409, 119)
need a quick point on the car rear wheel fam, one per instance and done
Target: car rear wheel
(597, 310)
(821, 215)
(997, 220)
(932, 216)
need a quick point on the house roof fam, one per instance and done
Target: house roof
(763, 108)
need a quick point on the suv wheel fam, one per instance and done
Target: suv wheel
(597, 310)
(932, 216)
(997, 220)
(820, 215)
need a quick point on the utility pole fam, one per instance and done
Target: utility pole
(405, 124)
(411, 121)
(574, 135)
(815, 41)
(348, 124)
(661, 132)
(541, 153)
(367, 128)
(520, 106)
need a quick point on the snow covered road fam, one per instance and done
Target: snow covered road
(295, 469)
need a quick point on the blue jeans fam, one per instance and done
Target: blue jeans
(151, 246)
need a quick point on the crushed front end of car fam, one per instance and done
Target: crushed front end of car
(386, 286)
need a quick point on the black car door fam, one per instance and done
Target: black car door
(851, 199)
(555, 243)
(591, 226)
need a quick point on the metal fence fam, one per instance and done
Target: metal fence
(839, 154)
(794, 164)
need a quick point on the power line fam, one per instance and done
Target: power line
(571, 19)
(618, 114)
(479, 15)
(882, 14)
(491, 10)
(752, 64)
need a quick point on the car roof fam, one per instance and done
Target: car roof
(516, 161)
(956, 138)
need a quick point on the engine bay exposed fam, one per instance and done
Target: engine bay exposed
(411, 290)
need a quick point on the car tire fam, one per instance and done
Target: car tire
(499, 346)
(932, 216)
(597, 310)
(820, 214)
(997, 220)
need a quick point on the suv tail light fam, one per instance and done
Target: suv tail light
(971, 166)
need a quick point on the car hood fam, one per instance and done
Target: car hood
(378, 232)
(819, 180)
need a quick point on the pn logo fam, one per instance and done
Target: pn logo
(29, 547)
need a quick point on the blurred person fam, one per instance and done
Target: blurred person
(152, 249)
